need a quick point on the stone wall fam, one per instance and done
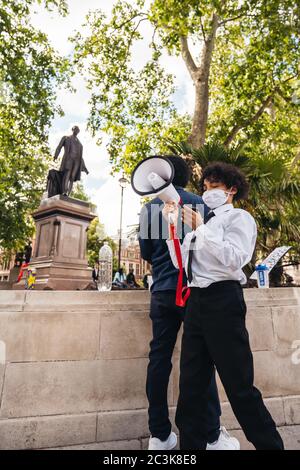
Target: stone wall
(74, 375)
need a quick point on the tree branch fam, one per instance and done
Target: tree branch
(221, 23)
(153, 37)
(295, 161)
(288, 99)
(238, 127)
(202, 29)
(129, 19)
(187, 56)
(235, 130)
(131, 39)
(96, 39)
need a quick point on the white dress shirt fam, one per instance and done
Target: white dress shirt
(222, 247)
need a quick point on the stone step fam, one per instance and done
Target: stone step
(289, 434)
(115, 429)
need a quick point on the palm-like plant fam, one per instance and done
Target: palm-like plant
(274, 197)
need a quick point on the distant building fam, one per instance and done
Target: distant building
(6, 264)
(130, 252)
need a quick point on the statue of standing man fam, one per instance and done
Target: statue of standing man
(72, 163)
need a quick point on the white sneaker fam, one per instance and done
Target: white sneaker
(225, 442)
(157, 444)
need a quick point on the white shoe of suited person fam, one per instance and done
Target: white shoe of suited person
(157, 444)
(225, 442)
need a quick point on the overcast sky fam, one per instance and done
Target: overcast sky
(103, 188)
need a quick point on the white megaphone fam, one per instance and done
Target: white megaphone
(153, 177)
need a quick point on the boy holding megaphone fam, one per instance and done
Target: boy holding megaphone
(215, 333)
(165, 178)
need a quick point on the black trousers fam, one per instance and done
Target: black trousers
(166, 322)
(215, 334)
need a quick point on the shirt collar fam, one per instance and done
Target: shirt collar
(224, 208)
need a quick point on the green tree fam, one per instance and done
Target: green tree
(243, 63)
(243, 60)
(96, 235)
(30, 73)
(274, 197)
(95, 240)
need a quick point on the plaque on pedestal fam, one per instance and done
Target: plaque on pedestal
(59, 255)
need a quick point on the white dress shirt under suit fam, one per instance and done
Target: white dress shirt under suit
(222, 247)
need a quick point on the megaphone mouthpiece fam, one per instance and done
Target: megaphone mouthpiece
(156, 180)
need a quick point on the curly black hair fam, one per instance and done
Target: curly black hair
(182, 171)
(230, 175)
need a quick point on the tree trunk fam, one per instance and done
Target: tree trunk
(198, 134)
(200, 76)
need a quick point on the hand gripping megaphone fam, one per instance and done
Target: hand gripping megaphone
(153, 177)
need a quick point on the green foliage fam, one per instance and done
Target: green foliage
(30, 71)
(78, 192)
(96, 237)
(274, 197)
(253, 93)
(254, 73)
(255, 76)
(132, 106)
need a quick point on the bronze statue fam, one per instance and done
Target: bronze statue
(72, 163)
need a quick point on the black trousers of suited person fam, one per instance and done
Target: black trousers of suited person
(166, 320)
(215, 333)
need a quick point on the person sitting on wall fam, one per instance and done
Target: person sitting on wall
(131, 282)
(95, 272)
(145, 280)
(120, 279)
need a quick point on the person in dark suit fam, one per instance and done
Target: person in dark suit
(167, 318)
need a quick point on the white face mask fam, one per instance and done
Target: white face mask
(215, 197)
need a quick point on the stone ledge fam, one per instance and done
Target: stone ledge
(291, 406)
(117, 428)
(46, 336)
(36, 433)
(289, 434)
(13, 300)
(113, 445)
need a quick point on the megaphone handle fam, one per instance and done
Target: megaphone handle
(182, 293)
(171, 219)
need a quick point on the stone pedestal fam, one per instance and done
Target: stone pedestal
(59, 254)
